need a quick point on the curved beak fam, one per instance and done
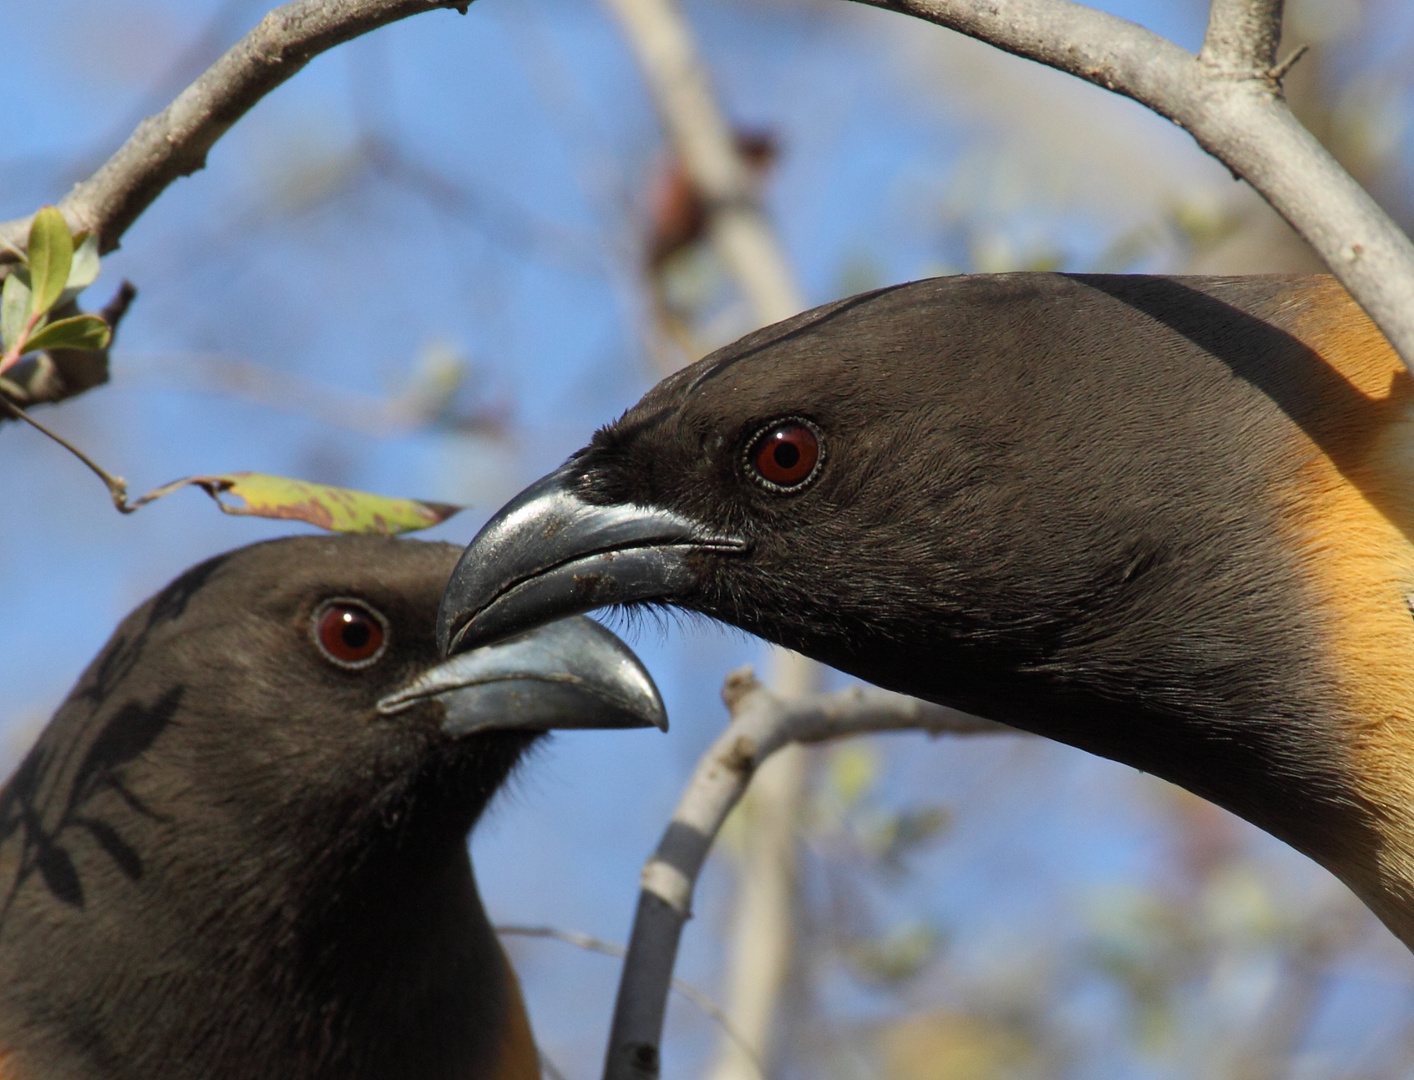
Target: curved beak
(570, 674)
(548, 553)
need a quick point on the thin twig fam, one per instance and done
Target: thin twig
(1281, 71)
(117, 486)
(698, 997)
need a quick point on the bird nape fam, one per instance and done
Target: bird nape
(238, 850)
(1166, 520)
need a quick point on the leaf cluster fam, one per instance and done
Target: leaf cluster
(55, 267)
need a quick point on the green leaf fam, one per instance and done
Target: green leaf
(83, 271)
(853, 772)
(14, 309)
(51, 254)
(333, 508)
(79, 332)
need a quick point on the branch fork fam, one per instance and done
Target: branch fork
(1228, 97)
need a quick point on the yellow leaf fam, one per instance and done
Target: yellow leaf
(334, 508)
(853, 771)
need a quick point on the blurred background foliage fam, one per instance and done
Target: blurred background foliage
(438, 258)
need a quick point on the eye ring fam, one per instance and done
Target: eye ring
(349, 633)
(785, 455)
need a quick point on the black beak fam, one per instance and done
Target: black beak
(570, 674)
(548, 553)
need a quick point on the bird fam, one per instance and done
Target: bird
(1167, 520)
(238, 849)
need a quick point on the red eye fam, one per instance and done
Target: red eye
(350, 634)
(786, 454)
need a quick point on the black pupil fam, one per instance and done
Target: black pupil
(356, 632)
(787, 455)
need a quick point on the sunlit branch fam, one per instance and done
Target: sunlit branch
(1229, 99)
(761, 942)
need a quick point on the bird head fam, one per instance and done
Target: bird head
(853, 483)
(239, 847)
(1127, 513)
(297, 685)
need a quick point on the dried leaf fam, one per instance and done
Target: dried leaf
(79, 332)
(334, 508)
(50, 255)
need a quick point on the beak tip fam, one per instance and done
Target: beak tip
(654, 713)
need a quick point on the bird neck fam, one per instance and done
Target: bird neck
(411, 976)
(1302, 724)
(372, 959)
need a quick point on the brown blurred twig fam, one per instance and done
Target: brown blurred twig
(681, 92)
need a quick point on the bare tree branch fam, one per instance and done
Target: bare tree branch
(1242, 36)
(174, 142)
(1229, 99)
(762, 723)
(762, 939)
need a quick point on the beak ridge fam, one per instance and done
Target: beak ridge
(549, 553)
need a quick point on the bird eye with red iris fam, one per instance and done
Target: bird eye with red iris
(785, 455)
(350, 634)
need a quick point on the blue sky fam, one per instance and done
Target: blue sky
(903, 155)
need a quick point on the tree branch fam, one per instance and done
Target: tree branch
(175, 142)
(762, 723)
(762, 939)
(1242, 36)
(682, 93)
(1228, 98)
